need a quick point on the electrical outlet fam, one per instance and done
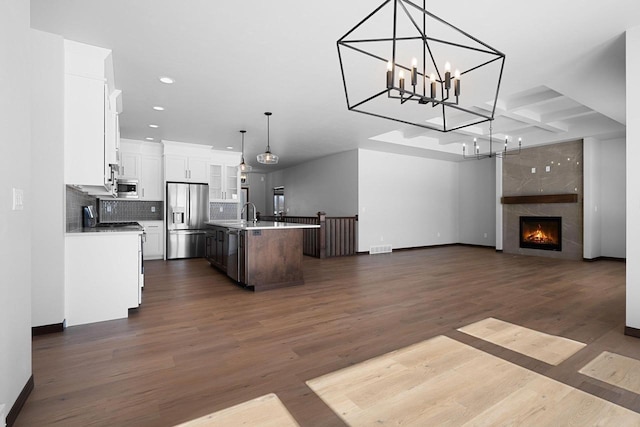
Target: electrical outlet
(18, 199)
(485, 235)
(153, 208)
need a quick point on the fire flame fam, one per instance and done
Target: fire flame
(539, 236)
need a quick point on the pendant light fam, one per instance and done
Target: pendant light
(244, 168)
(268, 158)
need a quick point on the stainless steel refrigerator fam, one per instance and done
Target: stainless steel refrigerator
(187, 213)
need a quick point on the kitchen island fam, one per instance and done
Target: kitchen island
(258, 255)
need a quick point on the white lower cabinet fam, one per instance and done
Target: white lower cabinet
(153, 247)
(102, 276)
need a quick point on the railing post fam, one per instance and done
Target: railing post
(322, 235)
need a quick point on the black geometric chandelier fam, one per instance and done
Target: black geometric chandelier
(475, 154)
(417, 50)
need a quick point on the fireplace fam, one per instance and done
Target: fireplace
(541, 232)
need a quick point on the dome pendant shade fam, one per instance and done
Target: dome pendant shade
(268, 158)
(243, 166)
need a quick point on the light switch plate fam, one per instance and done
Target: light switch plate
(548, 168)
(18, 199)
(533, 170)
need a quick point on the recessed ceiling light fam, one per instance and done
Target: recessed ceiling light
(167, 80)
(229, 148)
(154, 126)
(149, 138)
(158, 108)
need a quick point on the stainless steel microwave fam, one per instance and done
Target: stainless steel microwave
(127, 189)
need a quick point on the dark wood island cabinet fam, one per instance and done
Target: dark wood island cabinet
(259, 256)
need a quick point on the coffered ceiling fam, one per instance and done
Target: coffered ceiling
(564, 76)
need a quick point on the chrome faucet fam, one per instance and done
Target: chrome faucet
(255, 219)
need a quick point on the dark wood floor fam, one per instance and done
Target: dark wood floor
(199, 344)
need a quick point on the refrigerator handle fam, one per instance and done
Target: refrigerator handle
(188, 207)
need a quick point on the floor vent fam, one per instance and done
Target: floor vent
(380, 249)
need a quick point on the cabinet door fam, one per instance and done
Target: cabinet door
(153, 248)
(220, 245)
(198, 169)
(208, 247)
(129, 165)
(231, 180)
(84, 131)
(175, 168)
(151, 178)
(215, 183)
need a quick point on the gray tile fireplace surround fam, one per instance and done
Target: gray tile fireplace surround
(545, 170)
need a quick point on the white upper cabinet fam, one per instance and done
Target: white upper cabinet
(129, 165)
(186, 162)
(150, 179)
(84, 131)
(142, 160)
(186, 168)
(91, 116)
(224, 181)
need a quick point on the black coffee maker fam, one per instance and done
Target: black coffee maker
(89, 217)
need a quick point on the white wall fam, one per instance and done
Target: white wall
(47, 178)
(257, 185)
(633, 176)
(592, 203)
(328, 184)
(15, 226)
(604, 198)
(406, 201)
(613, 231)
(477, 205)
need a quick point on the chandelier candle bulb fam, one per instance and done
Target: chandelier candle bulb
(389, 75)
(402, 81)
(447, 76)
(414, 72)
(457, 83)
(433, 85)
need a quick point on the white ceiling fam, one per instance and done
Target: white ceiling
(564, 76)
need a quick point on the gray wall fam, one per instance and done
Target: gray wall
(328, 184)
(257, 185)
(406, 201)
(477, 207)
(15, 227)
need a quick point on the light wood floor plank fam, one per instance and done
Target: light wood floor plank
(266, 411)
(539, 345)
(615, 369)
(479, 390)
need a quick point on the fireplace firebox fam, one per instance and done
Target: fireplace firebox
(541, 232)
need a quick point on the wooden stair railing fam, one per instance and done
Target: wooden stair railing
(335, 237)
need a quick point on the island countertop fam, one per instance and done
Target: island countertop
(260, 225)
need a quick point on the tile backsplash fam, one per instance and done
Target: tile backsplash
(223, 211)
(75, 200)
(116, 210)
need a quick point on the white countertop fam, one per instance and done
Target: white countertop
(260, 225)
